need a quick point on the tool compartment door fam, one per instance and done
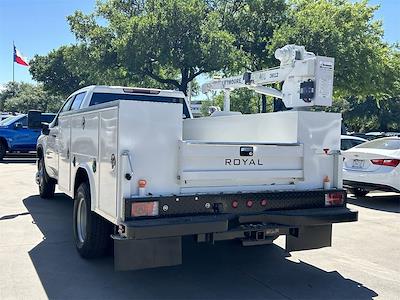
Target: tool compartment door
(108, 156)
(229, 164)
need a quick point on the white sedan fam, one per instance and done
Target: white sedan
(349, 141)
(373, 165)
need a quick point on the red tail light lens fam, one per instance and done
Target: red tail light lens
(144, 209)
(249, 203)
(333, 199)
(264, 202)
(386, 162)
(235, 204)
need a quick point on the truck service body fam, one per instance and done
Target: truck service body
(144, 172)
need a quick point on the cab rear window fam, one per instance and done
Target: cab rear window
(98, 98)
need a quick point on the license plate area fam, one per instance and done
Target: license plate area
(358, 163)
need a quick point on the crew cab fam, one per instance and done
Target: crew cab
(143, 173)
(15, 136)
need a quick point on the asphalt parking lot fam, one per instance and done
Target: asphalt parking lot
(38, 259)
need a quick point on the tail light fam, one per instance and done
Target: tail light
(235, 204)
(249, 203)
(144, 209)
(334, 199)
(386, 162)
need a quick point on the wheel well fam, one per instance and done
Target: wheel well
(81, 176)
(4, 142)
(39, 152)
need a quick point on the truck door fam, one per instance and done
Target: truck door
(64, 144)
(52, 148)
(24, 138)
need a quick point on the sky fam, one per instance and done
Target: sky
(38, 26)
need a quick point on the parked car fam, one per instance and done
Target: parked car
(16, 136)
(3, 117)
(374, 165)
(374, 135)
(349, 141)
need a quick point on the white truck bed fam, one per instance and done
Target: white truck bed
(150, 141)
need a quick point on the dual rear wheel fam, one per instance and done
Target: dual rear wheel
(91, 231)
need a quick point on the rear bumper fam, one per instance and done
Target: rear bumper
(369, 186)
(385, 178)
(301, 216)
(282, 221)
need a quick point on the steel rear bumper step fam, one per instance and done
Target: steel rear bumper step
(180, 226)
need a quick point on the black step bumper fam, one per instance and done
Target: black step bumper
(192, 225)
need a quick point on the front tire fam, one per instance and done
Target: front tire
(358, 192)
(47, 185)
(3, 150)
(91, 232)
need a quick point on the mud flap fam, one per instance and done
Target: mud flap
(148, 253)
(309, 237)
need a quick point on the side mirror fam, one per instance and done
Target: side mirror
(45, 129)
(18, 125)
(34, 119)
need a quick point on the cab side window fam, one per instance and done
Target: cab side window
(23, 121)
(64, 108)
(67, 104)
(76, 104)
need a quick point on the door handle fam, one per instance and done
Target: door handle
(113, 161)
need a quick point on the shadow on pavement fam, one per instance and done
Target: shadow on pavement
(389, 203)
(221, 271)
(6, 161)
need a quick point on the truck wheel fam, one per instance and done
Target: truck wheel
(47, 184)
(3, 150)
(91, 232)
(358, 192)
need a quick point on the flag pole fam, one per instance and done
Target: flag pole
(13, 59)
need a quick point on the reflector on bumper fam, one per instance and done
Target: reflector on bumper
(143, 209)
(334, 199)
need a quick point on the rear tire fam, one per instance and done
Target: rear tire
(47, 185)
(3, 150)
(91, 232)
(358, 192)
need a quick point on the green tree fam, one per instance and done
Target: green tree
(168, 41)
(22, 97)
(369, 114)
(347, 31)
(9, 91)
(242, 100)
(252, 23)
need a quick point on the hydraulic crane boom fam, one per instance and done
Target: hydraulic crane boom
(307, 79)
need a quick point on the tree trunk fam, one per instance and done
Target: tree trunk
(263, 103)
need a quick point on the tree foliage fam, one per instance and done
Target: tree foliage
(348, 32)
(169, 43)
(253, 24)
(22, 97)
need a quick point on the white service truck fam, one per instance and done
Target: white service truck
(143, 173)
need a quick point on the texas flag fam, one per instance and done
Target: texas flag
(19, 59)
